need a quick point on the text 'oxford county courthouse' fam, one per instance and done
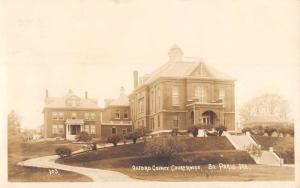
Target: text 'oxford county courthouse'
(181, 93)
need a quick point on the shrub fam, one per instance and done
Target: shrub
(247, 129)
(164, 150)
(193, 130)
(63, 151)
(269, 130)
(114, 139)
(133, 136)
(221, 129)
(174, 132)
(84, 137)
(254, 150)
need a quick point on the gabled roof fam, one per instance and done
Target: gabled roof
(186, 69)
(70, 100)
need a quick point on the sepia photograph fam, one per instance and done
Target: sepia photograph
(136, 91)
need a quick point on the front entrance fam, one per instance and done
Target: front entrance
(75, 129)
(209, 118)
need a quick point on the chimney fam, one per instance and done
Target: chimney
(122, 91)
(135, 78)
(175, 54)
(46, 93)
(86, 95)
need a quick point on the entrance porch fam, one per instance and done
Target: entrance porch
(73, 128)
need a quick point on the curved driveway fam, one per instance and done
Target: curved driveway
(94, 174)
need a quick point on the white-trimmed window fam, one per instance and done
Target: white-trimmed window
(200, 93)
(54, 129)
(54, 115)
(61, 115)
(117, 114)
(141, 105)
(92, 129)
(74, 115)
(93, 116)
(222, 94)
(87, 128)
(86, 115)
(60, 129)
(125, 115)
(114, 130)
(175, 98)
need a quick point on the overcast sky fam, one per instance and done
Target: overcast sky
(94, 46)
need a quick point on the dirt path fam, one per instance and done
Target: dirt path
(94, 174)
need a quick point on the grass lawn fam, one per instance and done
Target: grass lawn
(122, 158)
(268, 141)
(20, 151)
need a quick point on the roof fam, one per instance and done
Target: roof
(122, 100)
(70, 100)
(186, 69)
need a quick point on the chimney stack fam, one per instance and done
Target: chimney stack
(46, 93)
(135, 78)
(86, 95)
(122, 91)
(175, 54)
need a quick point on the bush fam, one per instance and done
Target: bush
(83, 137)
(63, 151)
(258, 130)
(174, 132)
(254, 150)
(221, 129)
(193, 130)
(270, 130)
(164, 150)
(114, 139)
(247, 129)
(133, 136)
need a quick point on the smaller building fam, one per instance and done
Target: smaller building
(116, 118)
(69, 115)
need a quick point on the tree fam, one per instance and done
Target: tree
(13, 123)
(247, 129)
(83, 137)
(254, 150)
(134, 136)
(63, 151)
(258, 130)
(267, 104)
(114, 139)
(138, 133)
(270, 130)
(193, 130)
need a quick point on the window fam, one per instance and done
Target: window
(86, 115)
(74, 115)
(117, 114)
(54, 129)
(125, 115)
(200, 94)
(92, 129)
(93, 116)
(114, 130)
(158, 97)
(87, 128)
(175, 99)
(175, 121)
(158, 121)
(61, 115)
(124, 131)
(152, 123)
(60, 129)
(54, 115)
(222, 94)
(141, 105)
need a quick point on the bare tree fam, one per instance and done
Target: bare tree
(267, 104)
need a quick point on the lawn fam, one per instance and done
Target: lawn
(122, 159)
(20, 151)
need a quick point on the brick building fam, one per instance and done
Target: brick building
(116, 116)
(181, 93)
(69, 115)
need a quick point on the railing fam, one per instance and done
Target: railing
(117, 122)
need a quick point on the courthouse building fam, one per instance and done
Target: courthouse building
(181, 93)
(67, 116)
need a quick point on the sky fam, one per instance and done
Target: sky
(94, 46)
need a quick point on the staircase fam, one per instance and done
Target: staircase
(241, 142)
